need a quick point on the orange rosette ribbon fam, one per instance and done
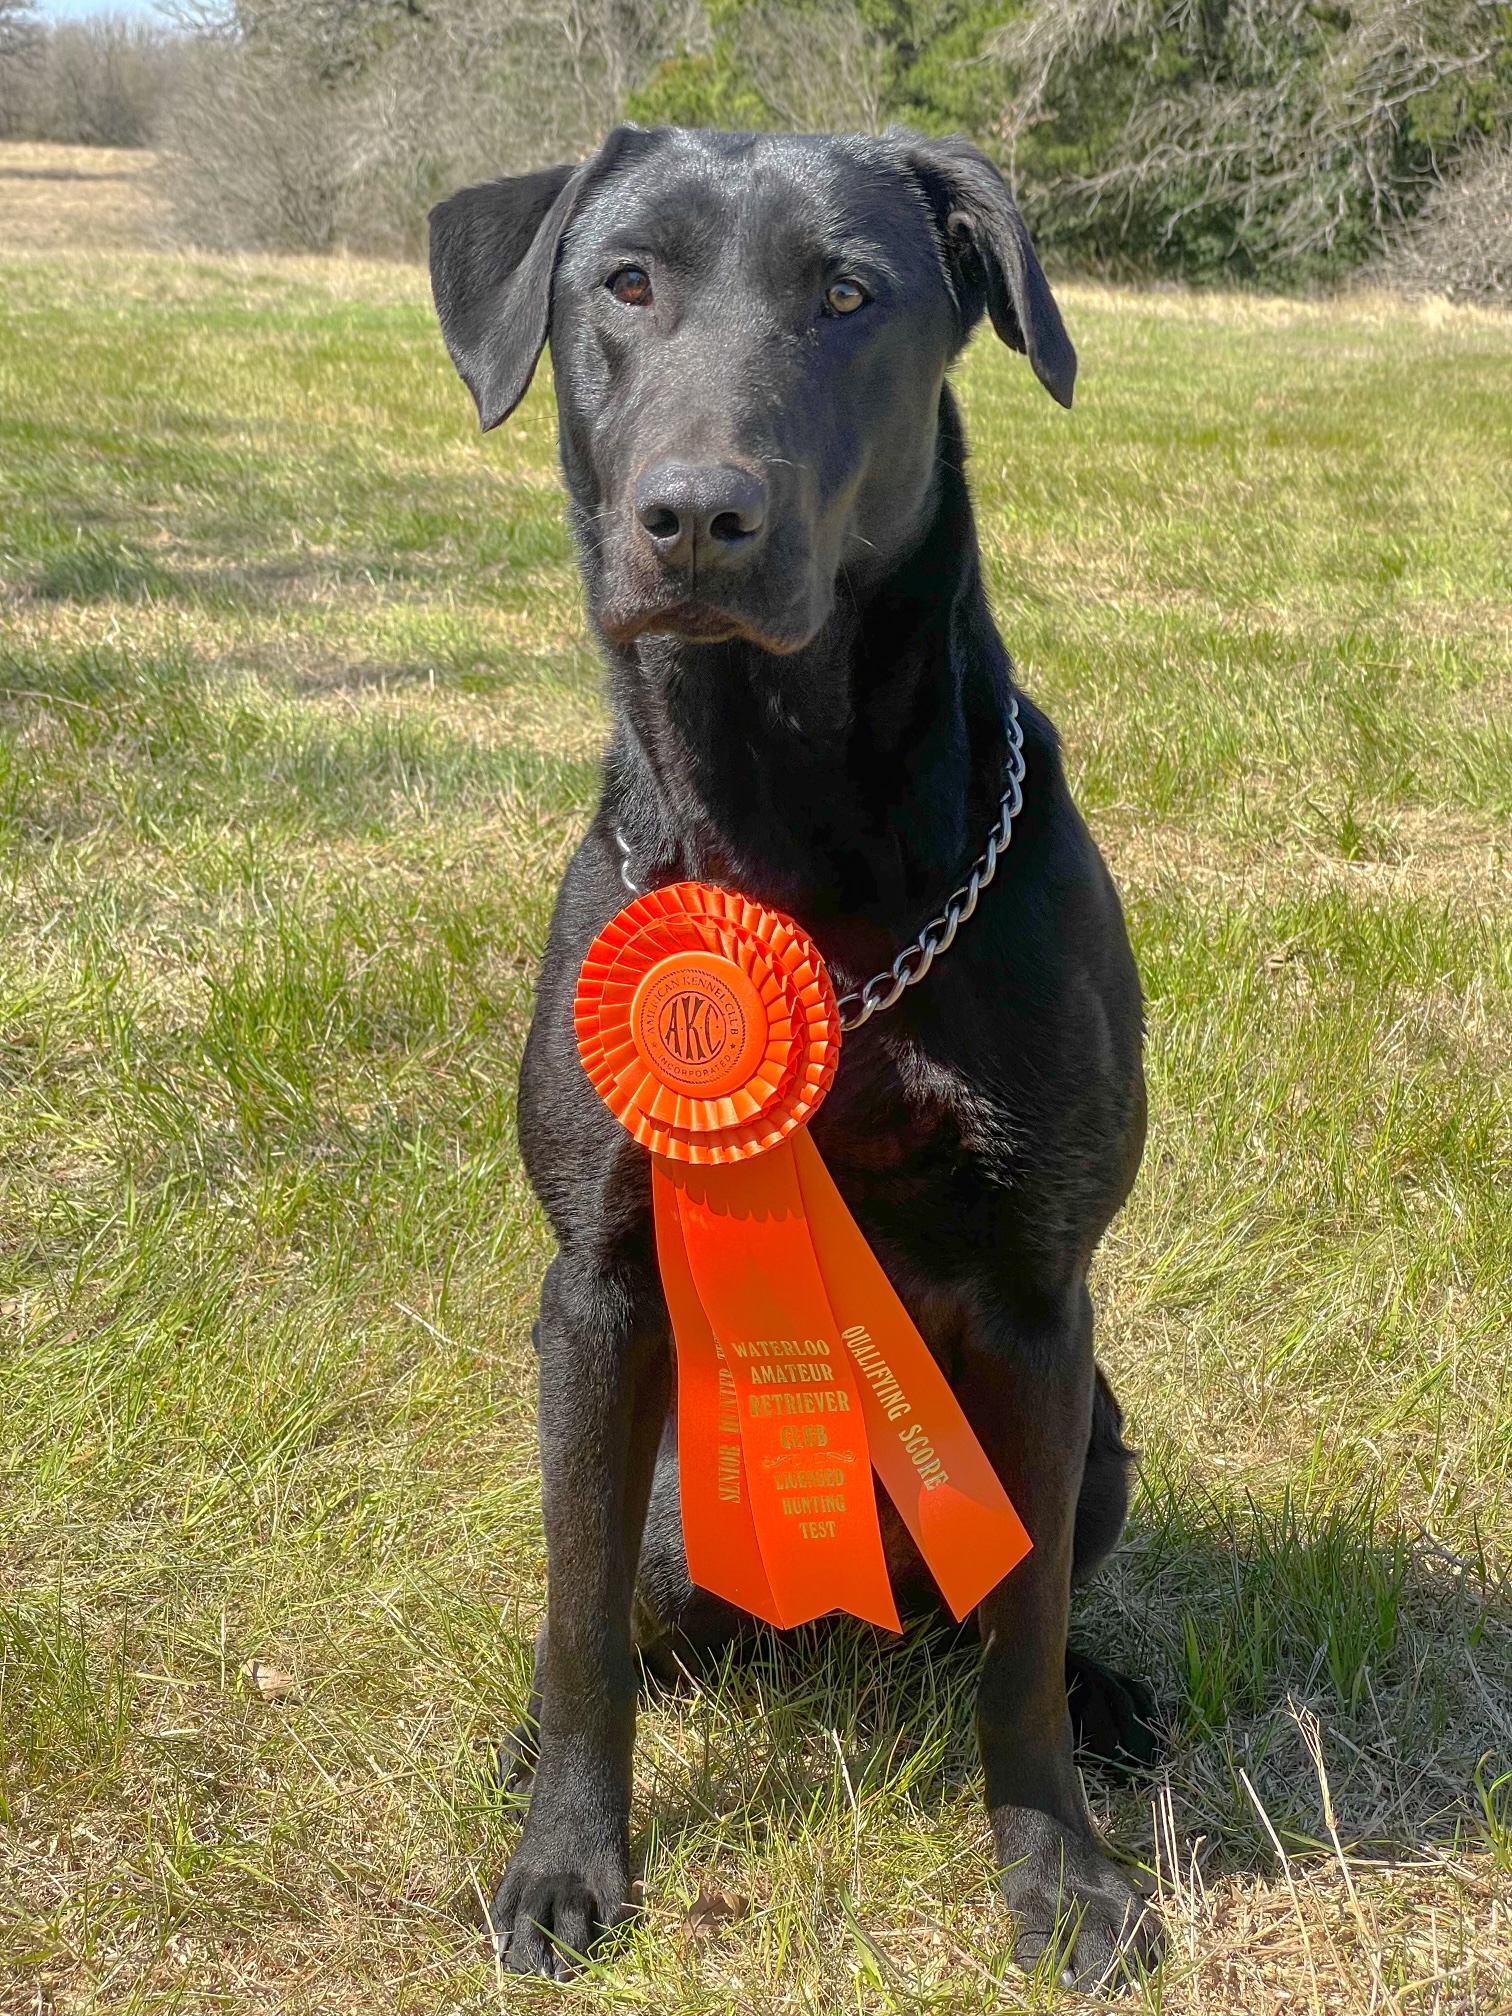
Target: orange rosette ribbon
(708, 1026)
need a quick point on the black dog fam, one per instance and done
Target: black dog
(750, 336)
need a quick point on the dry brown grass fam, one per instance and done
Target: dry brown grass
(55, 198)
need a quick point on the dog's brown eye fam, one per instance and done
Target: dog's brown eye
(844, 298)
(632, 285)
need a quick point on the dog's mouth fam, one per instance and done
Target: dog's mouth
(697, 623)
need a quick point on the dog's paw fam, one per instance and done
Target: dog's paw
(1070, 1901)
(515, 1757)
(552, 1906)
(1114, 1717)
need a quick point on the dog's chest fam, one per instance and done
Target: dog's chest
(894, 1108)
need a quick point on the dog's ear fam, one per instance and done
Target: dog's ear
(493, 250)
(991, 258)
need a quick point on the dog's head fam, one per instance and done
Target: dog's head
(749, 335)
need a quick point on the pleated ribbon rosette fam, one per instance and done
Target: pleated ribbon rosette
(708, 1025)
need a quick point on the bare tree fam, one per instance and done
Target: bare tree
(104, 81)
(97, 82)
(819, 68)
(344, 120)
(21, 40)
(19, 27)
(1461, 242)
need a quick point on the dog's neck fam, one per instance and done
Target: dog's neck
(849, 784)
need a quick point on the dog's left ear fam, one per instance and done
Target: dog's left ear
(493, 250)
(991, 257)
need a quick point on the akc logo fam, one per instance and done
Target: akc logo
(697, 1020)
(693, 1030)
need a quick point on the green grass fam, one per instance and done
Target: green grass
(300, 723)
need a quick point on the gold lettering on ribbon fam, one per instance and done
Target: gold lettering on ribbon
(932, 1472)
(730, 1468)
(877, 1372)
(764, 1406)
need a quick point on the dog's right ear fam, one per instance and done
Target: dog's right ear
(493, 250)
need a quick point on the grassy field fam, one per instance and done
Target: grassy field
(300, 723)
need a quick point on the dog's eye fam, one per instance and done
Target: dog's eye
(844, 298)
(632, 285)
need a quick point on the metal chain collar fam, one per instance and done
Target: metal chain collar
(885, 989)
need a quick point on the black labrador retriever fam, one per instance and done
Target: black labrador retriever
(750, 336)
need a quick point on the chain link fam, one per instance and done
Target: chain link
(625, 876)
(885, 989)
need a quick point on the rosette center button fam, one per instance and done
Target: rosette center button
(698, 1024)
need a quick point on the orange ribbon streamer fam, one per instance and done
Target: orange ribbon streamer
(708, 1025)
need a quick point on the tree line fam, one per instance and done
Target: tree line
(97, 83)
(1270, 142)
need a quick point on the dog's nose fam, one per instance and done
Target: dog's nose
(711, 514)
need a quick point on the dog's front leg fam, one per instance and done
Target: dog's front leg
(604, 1389)
(1029, 1395)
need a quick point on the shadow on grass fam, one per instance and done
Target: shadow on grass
(97, 570)
(189, 746)
(1252, 1622)
(1252, 1617)
(395, 546)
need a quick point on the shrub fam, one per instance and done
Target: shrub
(833, 66)
(1249, 139)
